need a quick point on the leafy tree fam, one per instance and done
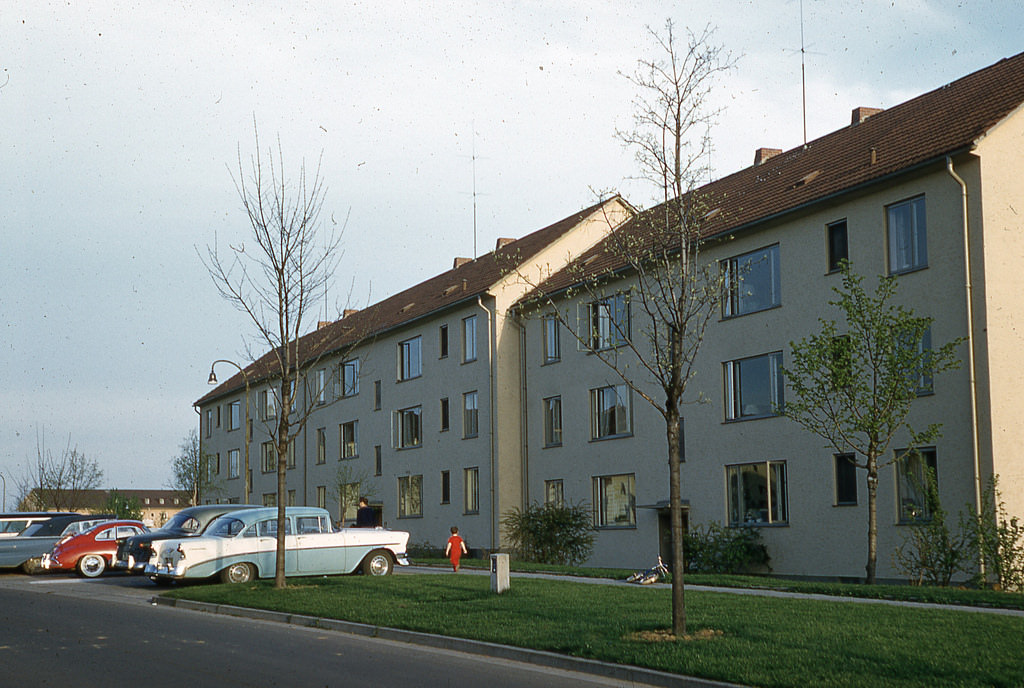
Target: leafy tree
(122, 506)
(933, 552)
(853, 382)
(60, 482)
(191, 473)
(551, 533)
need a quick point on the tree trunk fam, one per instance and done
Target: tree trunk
(676, 521)
(872, 519)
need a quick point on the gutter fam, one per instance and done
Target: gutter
(491, 337)
(969, 294)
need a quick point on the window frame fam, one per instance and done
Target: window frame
(604, 329)
(470, 415)
(234, 467)
(833, 231)
(733, 301)
(268, 457)
(348, 377)
(348, 434)
(597, 394)
(909, 239)
(442, 341)
(446, 487)
(471, 490)
(912, 502)
(776, 510)
(234, 415)
(445, 413)
(469, 339)
(321, 446)
(410, 358)
(733, 387)
(845, 474)
(401, 441)
(602, 504)
(551, 340)
(552, 410)
(410, 496)
(554, 492)
(320, 380)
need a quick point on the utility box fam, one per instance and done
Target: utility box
(499, 573)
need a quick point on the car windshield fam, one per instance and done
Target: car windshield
(225, 526)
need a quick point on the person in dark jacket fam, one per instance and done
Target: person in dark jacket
(365, 518)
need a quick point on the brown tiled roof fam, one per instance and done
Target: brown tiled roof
(947, 120)
(447, 289)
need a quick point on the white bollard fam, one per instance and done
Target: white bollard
(499, 573)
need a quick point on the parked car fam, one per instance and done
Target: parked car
(242, 546)
(14, 523)
(90, 553)
(133, 554)
(27, 549)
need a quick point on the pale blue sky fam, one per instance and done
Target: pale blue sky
(118, 122)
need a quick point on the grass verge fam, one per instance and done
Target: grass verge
(763, 641)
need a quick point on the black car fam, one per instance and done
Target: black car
(133, 553)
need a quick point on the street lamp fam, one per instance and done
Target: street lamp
(213, 380)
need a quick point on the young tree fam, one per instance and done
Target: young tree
(853, 384)
(277, 283)
(348, 486)
(657, 254)
(58, 482)
(122, 506)
(190, 471)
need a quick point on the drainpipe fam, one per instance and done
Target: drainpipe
(491, 337)
(975, 448)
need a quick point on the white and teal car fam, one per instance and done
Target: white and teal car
(241, 546)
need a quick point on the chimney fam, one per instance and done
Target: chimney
(459, 262)
(763, 154)
(349, 311)
(862, 113)
(502, 243)
(322, 324)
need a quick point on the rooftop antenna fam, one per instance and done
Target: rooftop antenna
(803, 76)
(473, 158)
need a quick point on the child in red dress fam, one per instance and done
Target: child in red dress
(455, 548)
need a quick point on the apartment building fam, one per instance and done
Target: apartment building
(930, 191)
(449, 403)
(414, 401)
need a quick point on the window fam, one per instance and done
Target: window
(916, 476)
(446, 487)
(350, 378)
(607, 322)
(757, 493)
(470, 415)
(751, 282)
(291, 454)
(209, 422)
(376, 395)
(442, 341)
(233, 468)
(218, 416)
(444, 415)
(609, 412)
(615, 501)
(349, 496)
(552, 344)
(321, 445)
(350, 439)
(268, 404)
(846, 480)
(469, 339)
(471, 485)
(212, 467)
(410, 358)
(753, 387)
(838, 247)
(291, 499)
(553, 421)
(408, 428)
(908, 247)
(410, 496)
(268, 457)
(234, 415)
(921, 375)
(269, 499)
(377, 463)
(321, 386)
(554, 493)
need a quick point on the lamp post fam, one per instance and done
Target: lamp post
(213, 380)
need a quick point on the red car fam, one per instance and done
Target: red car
(91, 552)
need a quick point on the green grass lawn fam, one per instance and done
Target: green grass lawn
(763, 641)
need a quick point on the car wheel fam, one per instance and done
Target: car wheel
(238, 573)
(91, 565)
(378, 563)
(32, 566)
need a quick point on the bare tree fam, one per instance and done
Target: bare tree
(654, 261)
(192, 471)
(348, 486)
(58, 482)
(277, 282)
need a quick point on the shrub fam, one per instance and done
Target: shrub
(999, 538)
(551, 533)
(932, 553)
(716, 549)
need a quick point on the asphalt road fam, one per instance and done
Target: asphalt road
(59, 631)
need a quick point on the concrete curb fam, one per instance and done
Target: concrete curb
(616, 672)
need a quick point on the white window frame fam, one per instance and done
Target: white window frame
(614, 400)
(907, 235)
(410, 496)
(606, 322)
(409, 436)
(348, 377)
(552, 409)
(410, 358)
(470, 415)
(469, 335)
(735, 409)
(268, 404)
(348, 433)
(740, 299)
(234, 415)
(320, 380)
(471, 490)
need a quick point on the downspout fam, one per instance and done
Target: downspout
(492, 335)
(975, 444)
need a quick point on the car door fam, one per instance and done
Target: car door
(267, 546)
(319, 550)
